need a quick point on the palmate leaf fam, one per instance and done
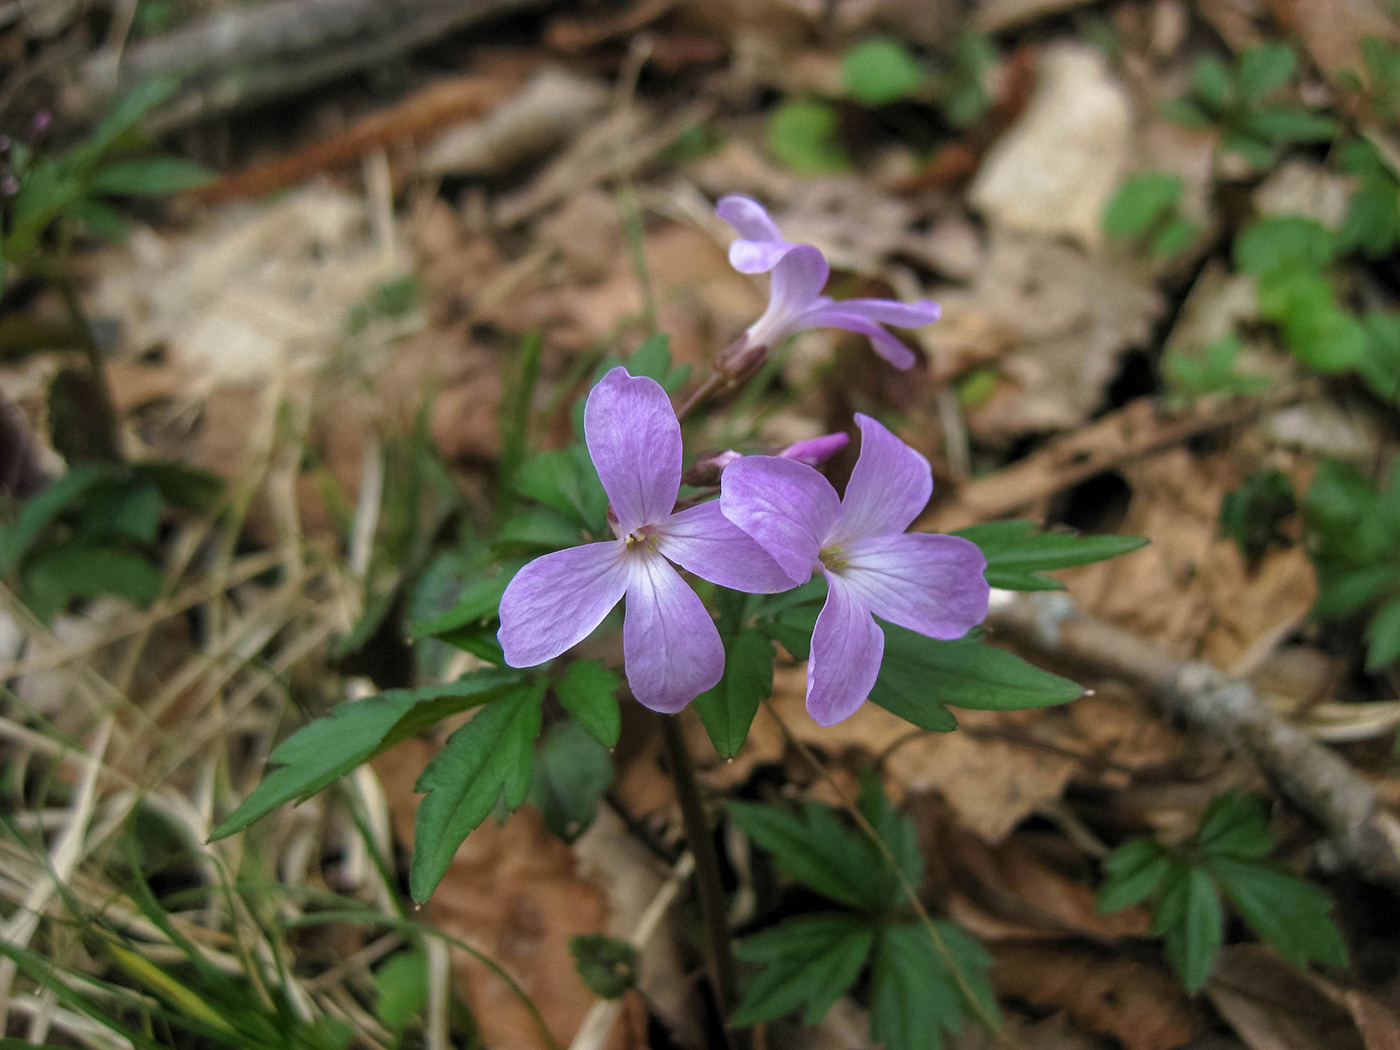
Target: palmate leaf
(914, 997)
(572, 771)
(1135, 870)
(354, 733)
(488, 760)
(811, 960)
(1286, 911)
(1191, 924)
(1236, 825)
(1018, 555)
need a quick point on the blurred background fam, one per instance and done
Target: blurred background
(287, 284)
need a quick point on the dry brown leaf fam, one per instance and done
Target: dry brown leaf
(1379, 1025)
(1274, 1006)
(512, 892)
(1332, 30)
(1141, 1005)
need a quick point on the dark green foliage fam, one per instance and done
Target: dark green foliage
(1229, 853)
(1211, 372)
(1252, 515)
(608, 966)
(804, 136)
(1018, 556)
(1145, 207)
(572, 771)
(879, 71)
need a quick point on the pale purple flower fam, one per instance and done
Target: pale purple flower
(928, 583)
(816, 451)
(706, 470)
(795, 302)
(671, 648)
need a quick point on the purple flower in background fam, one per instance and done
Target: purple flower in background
(816, 451)
(706, 470)
(795, 302)
(928, 583)
(670, 645)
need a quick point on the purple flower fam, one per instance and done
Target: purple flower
(670, 646)
(927, 583)
(817, 450)
(795, 302)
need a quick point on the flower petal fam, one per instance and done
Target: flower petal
(816, 450)
(757, 256)
(890, 485)
(834, 316)
(847, 647)
(928, 583)
(892, 311)
(635, 443)
(670, 646)
(797, 281)
(557, 600)
(748, 217)
(786, 506)
(703, 541)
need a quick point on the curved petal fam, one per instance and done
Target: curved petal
(703, 541)
(635, 443)
(928, 583)
(798, 280)
(890, 485)
(670, 646)
(892, 311)
(786, 506)
(886, 345)
(557, 600)
(749, 218)
(818, 449)
(757, 256)
(847, 647)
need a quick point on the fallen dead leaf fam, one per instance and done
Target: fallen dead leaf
(1274, 1006)
(1378, 1024)
(1140, 1004)
(1332, 30)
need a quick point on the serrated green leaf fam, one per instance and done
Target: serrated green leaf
(324, 750)
(1289, 913)
(1135, 870)
(728, 709)
(1263, 70)
(572, 772)
(41, 509)
(914, 997)
(588, 692)
(804, 136)
(150, 177)
(1236, 825)
(1193, 941)
(1140, 202)
(1018, 554)
(879, 71)
(895, 829)
(811, 959)
(401, 987)
(818, 850)
(920, 672)
(485, 763)
(607, 965)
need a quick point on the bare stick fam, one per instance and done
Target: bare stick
(1310, 775)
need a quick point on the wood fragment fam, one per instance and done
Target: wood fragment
(1309, 775)
(1138, 429)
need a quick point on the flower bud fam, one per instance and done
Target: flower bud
(816, 451)
(741, 358)
(708, 468)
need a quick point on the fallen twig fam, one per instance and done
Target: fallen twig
(1311, 776)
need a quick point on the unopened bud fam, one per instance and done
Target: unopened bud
(708, 467)
(817, 450)
(741, 358)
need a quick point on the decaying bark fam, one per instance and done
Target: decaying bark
(1310, 775)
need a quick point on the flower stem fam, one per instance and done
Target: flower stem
(708, 387)
(707, 876)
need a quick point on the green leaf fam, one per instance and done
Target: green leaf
(1284, 242)
(1258, 154)
(588, 692)
(728, 709)
(1253, 514)
(1287, 124)
(1236, 825)
(476, 606)
(1193, 941)
(101, 219)
(1330, 340)
(128, 508)
(43, 507)
(1284, 910)
(1140, 203)
(1186, 113)
(401, 987)
(1380, 368)
(1017, 554)
(485, 762)
(880, 71)
(318, 753)
(895, 829)
(1383, 636)
(57, 574)
(566, 481)
(1135, 870)
(804, 136)
(811, 959)
(817, 850)
(920, 672)
(150, 177)
(181, 485)
(653, 360)
(572, 772)
(1263, 70)
(127, 113)
(1173, 238)
(1210, 83)
(914, 997)
(536, 530)
(607, 965)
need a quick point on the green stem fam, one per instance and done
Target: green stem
(707, 876)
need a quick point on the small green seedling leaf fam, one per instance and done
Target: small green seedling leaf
(150, 177)
(1140, 203)
(401, 987)
(1135, 870)
(880, 71)
(804, 136)
(607, 965)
